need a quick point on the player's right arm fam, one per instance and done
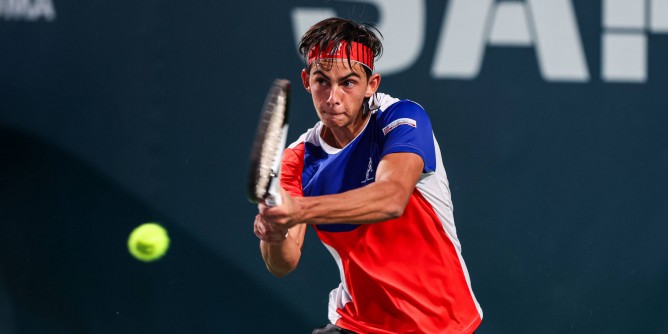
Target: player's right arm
(281, 248)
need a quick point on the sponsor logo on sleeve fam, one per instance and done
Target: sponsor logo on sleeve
(398, 122)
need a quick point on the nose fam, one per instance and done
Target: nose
(333, 98)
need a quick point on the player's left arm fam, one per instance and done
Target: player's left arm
(386, 198)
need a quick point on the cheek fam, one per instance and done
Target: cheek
(315, 89)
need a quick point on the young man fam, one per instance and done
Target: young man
(370, 179)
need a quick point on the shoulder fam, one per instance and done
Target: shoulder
(291, 168)
(404, 111)
(311, 136)
(386, 105)
(293, 155)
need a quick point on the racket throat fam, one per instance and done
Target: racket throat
(273, 197)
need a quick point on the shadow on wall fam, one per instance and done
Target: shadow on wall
(64, 265)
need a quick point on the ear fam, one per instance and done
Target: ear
(372, 86)
(305, 80)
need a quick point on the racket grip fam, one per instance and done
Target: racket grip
(273, 195)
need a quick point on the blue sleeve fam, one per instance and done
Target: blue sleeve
(405, 127)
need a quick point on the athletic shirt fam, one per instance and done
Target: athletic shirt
(404, 275)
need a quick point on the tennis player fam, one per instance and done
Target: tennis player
(370, 180)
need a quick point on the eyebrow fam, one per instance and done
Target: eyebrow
(346, 77)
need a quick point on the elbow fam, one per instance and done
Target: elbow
(394, 210)
(394, 214)
(396, 201)
(282, 270)
(279, 260)
(279, 274)
(281, 267)
(397, 205)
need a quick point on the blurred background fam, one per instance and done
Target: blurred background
(551, 116)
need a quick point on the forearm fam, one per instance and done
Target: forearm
(282, 257)
(376, 202)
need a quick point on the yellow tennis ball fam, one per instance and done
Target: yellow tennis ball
(148, 242)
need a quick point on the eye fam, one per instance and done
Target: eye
(320, 81)
(349, 83)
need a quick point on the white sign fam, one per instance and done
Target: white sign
(550, 27)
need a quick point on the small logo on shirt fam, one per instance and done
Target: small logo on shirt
(368, 172)
(397, 122)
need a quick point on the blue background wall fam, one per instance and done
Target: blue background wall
(117, 113)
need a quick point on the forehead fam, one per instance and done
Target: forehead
(338, 66)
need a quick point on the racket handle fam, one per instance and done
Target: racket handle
(273, 195)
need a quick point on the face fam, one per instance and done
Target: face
(338, 93)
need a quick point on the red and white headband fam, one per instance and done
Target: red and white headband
(358, 52)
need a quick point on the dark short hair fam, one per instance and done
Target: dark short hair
(333, 31)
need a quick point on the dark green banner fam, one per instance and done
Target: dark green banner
(551, 116)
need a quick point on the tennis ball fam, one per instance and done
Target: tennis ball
(148, 242)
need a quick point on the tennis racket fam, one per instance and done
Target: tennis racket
(267, 152)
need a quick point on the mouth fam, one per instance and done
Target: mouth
(332, 112)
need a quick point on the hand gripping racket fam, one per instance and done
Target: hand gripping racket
(267, 152)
